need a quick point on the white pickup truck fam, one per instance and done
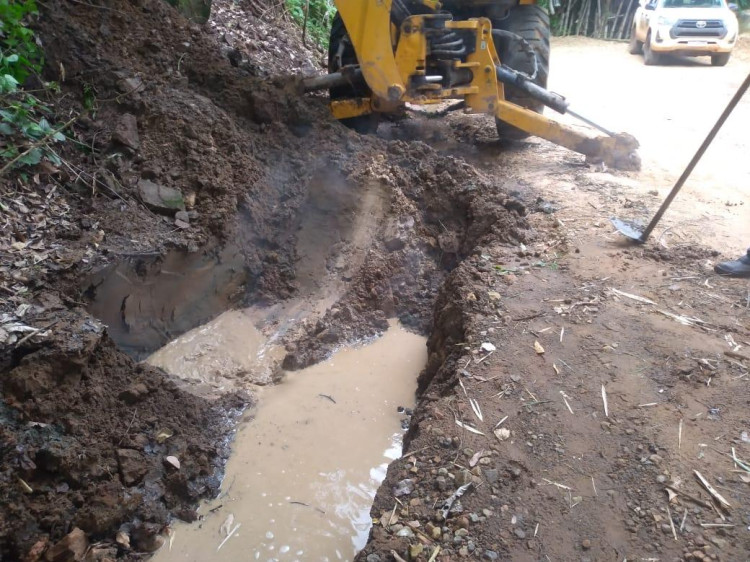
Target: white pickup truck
(684, 27)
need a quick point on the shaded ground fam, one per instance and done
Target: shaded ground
(449, 247)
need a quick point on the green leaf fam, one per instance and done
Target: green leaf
(59, 137)
(34, 156)
(12, 58)
(6, 129)
(54, 158)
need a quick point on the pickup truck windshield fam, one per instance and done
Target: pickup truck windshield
(693, 3)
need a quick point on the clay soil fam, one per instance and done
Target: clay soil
(472, 243)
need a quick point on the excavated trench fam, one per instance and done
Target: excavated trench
(311, 452)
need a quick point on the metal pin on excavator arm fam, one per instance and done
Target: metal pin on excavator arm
(386, 53)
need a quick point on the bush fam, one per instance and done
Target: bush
(319, 17)
(25, 130)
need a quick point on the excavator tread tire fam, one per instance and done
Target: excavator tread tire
(363, 124)
(531, 22)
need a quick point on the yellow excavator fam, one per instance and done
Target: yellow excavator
(491, 55)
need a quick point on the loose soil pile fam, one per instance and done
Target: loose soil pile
(185, 149)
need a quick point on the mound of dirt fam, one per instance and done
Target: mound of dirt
(186, 151)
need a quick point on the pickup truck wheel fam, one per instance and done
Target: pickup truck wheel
(719, 59)
(531, 22)
(635, 47)
(649, 57)
(363, 124)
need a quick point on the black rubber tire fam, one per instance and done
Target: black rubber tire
(364, 124)
(650, 58)
(635, 47)
(531, 22)
(720, 59)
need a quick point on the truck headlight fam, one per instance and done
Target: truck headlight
(665, 20)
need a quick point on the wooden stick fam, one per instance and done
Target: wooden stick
(396, 556)
(671, 523)
(604, 399)
(711, 490)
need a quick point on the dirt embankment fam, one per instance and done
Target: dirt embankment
(182, 148)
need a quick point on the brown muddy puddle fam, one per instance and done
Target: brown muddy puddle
(303, 473)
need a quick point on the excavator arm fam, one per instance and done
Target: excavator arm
(429, 57)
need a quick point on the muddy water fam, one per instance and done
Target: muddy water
(303, 473)
(146, 300)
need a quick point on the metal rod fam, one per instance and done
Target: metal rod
(590, 122)
(686, 174)
(331, 80)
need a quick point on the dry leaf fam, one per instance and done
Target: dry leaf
(163, 435)
(538, 347)
(227, 525)
(475, 459)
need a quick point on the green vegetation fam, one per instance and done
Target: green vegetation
(25, 130)
(319, 16)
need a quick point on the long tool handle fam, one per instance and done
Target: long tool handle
(686, 174)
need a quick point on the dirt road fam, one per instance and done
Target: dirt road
(634, 389)
(670, 109)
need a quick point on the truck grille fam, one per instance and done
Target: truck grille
(691, 28)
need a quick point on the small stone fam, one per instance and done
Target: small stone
(494, 295)
(441, 483)
(463, 477)
(161, 199)
(71, 548)
(474, 517)
(491, 474)
(405, 532)
(463, 522)
(172, 462)
(183, 216)
(462, 533)
(585, 544)
(487, 512)
(133, 466)
(373, 558)
(490, 555)
(520, 533)
(134, 393)
(463, 552)
(661, 479)
(126, 131)
(415, 502)
(666, 529)
(404, 487)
